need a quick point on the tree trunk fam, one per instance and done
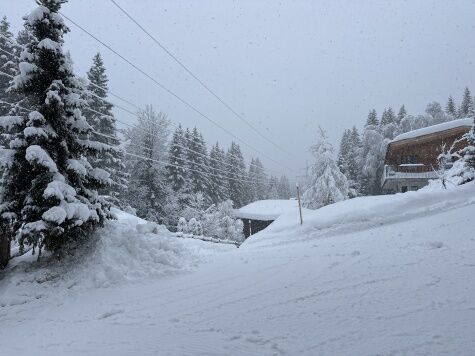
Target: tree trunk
(4, 250)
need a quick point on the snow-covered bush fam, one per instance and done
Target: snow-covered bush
(182, 226)
(195, 227)
(231, 229)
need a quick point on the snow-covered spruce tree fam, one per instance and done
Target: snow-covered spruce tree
(372, 118)
(402, 113)
(176, 169)
(273, 188)
(197, 164)
(49, 192)
(388, 124)
(348, 159)
(388, 117)
(147, 191)
(104, 125)
(343, 153)
(450, 108)
(218, 188)
(353, 162)
(258, 180)
(236, 176)
(371, 159)
(7, 65)
(284, 188)
(327, 184)
(466, 106)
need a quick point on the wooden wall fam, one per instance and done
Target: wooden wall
(254, 226)
(426, 148)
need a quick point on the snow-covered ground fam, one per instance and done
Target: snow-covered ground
(389, 275)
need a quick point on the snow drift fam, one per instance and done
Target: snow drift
(364, 213)
(127, 250)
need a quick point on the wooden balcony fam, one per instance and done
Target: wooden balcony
(408, 171)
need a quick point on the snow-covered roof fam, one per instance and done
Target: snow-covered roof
(265, 209)
(434, 128)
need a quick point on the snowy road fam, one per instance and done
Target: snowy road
(401, 288)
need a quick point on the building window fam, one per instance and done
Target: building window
(409, 159)
(404, 188)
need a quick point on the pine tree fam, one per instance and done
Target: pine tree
(258, 178)
(236, 176)
(450, 108)
(217, 181)
(284, 188)
(354, 153)
(99, 115)
(401, 114)
(348, 158)
(327, 184)
(372, 119)
(7, 65)
(273, 190)
(466, 107)
(176, 167)
(49, 192)
(343, 153)
(388, 117)
(197, 164)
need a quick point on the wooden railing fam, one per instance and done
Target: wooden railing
(408, 171)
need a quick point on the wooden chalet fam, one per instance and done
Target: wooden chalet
(412, 158)
(258, 215)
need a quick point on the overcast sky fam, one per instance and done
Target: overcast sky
(287, 66)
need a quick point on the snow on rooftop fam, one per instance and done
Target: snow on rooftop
(434, 128)
(266, 209)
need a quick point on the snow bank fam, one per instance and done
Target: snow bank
(127, 250)
(468, 122)
(363, 213)
(266, 209)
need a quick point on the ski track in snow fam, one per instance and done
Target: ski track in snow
(400, 286)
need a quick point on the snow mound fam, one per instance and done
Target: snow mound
(364, 213)
(126, 250)
(128, 253)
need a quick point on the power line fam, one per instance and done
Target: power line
(208, 89)
(138, 128)
(165, 163)
(120, 107)
(134, 114)
(176, 96)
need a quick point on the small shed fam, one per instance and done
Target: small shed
(258, 215)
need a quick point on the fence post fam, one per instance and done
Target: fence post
(300, 205)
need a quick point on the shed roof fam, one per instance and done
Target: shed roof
(266, 209)
(434, 128)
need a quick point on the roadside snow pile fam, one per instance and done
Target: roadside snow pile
(127, 250)
(364, 212)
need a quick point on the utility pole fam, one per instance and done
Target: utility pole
(300, 205)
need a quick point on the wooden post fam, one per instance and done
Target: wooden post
(4, 249)
(300, 205)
